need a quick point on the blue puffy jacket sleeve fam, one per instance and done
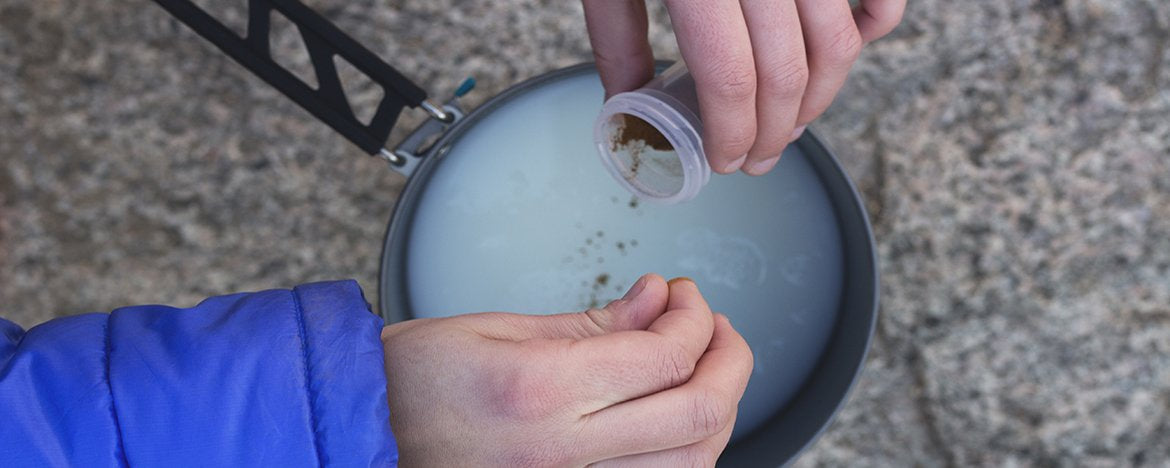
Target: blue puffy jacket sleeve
(274, 378)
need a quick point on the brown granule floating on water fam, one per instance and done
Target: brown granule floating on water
(598, 284)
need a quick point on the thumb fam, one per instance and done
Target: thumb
(636, 310)
(642, 305)
(617, 32)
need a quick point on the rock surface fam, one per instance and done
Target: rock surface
(1015, 157)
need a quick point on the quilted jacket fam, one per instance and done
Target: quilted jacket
(278, 378)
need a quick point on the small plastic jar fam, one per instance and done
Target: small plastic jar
(650, 139)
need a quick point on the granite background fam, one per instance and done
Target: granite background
(1015, 156)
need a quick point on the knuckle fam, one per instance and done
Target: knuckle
(741, 140)
(606, 60)
(598, 320)
(734, 81)
(603, 59)
(844, 44)
(525, 396)
(708, 414)
(611, 61)
(786, 77)
(676, 365)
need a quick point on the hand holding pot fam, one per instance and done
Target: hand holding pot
(763, 69)
(652, 379)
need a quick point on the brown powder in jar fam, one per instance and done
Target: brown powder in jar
(635, 135)
(634, 129)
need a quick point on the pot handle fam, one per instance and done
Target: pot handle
(323, 40)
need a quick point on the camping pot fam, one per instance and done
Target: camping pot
(508, 208)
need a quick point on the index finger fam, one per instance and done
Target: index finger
(714, 41)
(697, 410)
(630, 364)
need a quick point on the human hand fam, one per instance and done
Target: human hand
(763, 69)
(652, 379)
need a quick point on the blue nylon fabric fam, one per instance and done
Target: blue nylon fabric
(348, 399)
(274, 378)
(54, 401)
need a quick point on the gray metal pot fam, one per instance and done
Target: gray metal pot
(807, 413)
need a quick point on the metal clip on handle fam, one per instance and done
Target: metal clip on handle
(323, 40)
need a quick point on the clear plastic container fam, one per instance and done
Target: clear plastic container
(650, 139)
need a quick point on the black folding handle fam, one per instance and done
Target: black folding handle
(323, 40)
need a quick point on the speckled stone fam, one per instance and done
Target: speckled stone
(1015, 157)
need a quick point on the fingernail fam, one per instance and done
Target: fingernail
(761, 167)
(797, 132)
(678, 279)
(635, 290)
(735, 165)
